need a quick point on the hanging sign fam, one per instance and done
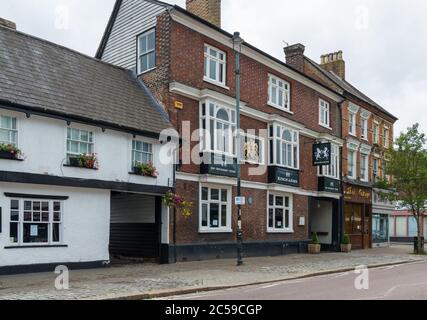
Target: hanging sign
(322, 154)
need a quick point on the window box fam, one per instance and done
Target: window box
(145, 170)
(84, 162)
(6, 155)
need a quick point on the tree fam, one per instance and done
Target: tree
(407, 167)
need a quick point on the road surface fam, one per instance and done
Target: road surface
(408, 281)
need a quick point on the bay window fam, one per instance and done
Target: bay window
(218, 125)
(8, 131)
(215, 209)
(324, 113)
(284, 146)
(332, 170)
(279, 93)
(214, 65)
(35, 222)
(280, 215)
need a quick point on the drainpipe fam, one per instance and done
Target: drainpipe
(341, 201)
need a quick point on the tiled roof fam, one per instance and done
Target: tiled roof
(35, 73)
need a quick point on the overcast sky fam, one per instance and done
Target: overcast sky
(384, 41)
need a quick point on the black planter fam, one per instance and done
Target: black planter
(7, 155)
(75, 162)
(137, 170)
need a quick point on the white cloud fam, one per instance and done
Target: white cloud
(383, 41)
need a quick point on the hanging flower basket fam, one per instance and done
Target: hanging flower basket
(173, 200)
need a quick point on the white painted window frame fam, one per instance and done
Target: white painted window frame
(10, 130)
(134, 151)
(325, 114)
(228, 203)
(149, 51)
(220, 64)
(51, 222)
(283, 87)
(327, 171)
(292, 143)
(69, 154)
(274, 206)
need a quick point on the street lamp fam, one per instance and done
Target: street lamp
(237, 46)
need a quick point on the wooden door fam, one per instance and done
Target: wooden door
(354, 225)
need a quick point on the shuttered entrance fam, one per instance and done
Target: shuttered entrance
(135, 225)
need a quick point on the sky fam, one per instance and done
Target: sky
(384, 41)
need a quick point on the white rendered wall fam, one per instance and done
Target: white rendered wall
(43, 141)
(86, 226)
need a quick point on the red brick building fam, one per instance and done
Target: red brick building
(367, 129)
(187, 61)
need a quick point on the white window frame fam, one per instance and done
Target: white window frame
(146, 53)
(386, 133)
(352, 119)
(279, 88)
(276, 139)
(324, 113)
(261, 148)
(376, 132)
(12, 130)
(354, 162)
(376, 168)
(135, 151)
(71, 154)
(228, 203)
(221, 65)
(209, 110)
(364, 124)
(333, 170)
(290, 229)
(50, 223)
(364, 164)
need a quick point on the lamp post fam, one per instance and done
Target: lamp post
(237, 45)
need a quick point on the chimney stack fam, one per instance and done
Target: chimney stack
(7, 24)
(334, 62)
(295, 56)
(209, 10)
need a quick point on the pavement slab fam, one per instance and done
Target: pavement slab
(150, 280)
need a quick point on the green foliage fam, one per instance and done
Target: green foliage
(315, 239)
(346, 239)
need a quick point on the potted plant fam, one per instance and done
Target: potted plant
(314, 246)
(146, 170)
(88, 161)
(346, 244)
(9, 151)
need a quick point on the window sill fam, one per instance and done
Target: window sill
(280, 108)
(204, 231)
(77, 167)
(325, 126)
(146, 71)
(218, 84)
(140, 175)
(11, 159)
(273, 231)
(352, 134)
(37, 246)
(329, 177)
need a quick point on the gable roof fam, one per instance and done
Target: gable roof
(177, 8)
(40, 75)
(349, 88)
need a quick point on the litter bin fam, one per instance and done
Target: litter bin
(416, 244)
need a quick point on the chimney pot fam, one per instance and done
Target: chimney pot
(7, 24)
(209, 10)
(334, 62)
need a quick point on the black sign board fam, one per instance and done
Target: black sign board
(329, 185)
(283, 176)
(322, 154)
(220, 166)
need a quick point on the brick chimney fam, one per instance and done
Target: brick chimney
(7, 24)
(295, 56)
(334, 62)
(209, 10)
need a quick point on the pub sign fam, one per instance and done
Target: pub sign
(322, 154)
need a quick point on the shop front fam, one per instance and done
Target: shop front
(358, 215)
